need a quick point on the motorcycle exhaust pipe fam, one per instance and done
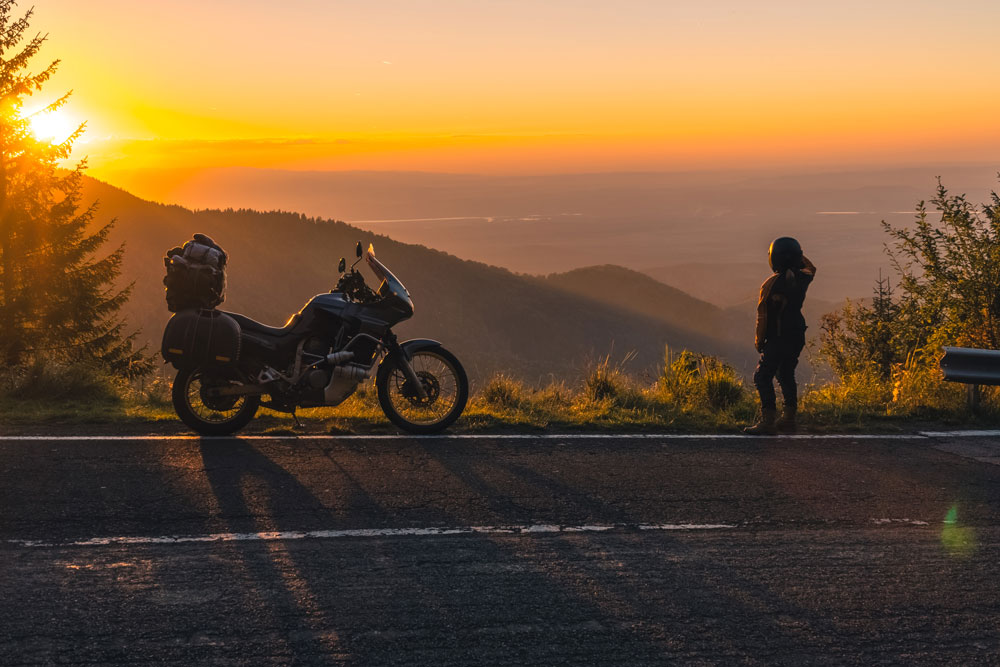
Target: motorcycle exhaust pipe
(352, 372)
(343, 379)
(335, 358)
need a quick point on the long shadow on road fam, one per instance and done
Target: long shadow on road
(658, 586)
(559, 596)
(633, 597)
(457, 600)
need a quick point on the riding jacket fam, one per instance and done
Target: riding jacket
(779, 309)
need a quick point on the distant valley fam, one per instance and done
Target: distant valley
(705, 233)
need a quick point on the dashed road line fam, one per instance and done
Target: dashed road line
(527, 529)
(291, 535)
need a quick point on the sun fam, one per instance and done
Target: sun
(53, 126)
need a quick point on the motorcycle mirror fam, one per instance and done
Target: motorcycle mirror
(342, 266)
(357, 250)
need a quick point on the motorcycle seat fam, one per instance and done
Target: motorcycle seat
(254, 326)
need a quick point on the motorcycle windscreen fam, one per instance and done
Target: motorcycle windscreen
(391, 284)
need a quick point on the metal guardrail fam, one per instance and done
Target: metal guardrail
(973, 367)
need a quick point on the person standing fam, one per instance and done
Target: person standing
(781, 334)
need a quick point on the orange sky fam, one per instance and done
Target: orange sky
(485, 86)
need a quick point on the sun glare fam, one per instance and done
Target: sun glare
(54, 126)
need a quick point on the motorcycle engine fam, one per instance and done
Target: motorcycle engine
(314, 380)
(317, 378)
(316, 346)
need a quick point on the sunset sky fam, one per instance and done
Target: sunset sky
(481, 86)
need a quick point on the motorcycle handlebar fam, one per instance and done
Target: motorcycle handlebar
(353, 286)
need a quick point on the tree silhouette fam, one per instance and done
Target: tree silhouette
(57, 298)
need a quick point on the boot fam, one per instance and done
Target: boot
(765, 426)
(787, 422)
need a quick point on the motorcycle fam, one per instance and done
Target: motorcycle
(230, 365)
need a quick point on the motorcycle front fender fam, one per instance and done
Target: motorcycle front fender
(407, 348)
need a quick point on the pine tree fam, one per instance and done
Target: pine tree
(882, 344)
(58, 300)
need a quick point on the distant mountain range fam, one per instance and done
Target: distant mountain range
(705, 233)
(496, 321)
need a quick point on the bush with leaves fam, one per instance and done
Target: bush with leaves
(950, 272)
(947, 293)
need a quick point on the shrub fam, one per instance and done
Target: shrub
(79, 382)
(854, 396)
(607, 381)
(555, 396)
(700, 381)
(153, 390)
(918, 389)
(503, 391)
(947, 292)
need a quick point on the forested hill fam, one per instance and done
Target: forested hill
(534, 328)
(643, 295)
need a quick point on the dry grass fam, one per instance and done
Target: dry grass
(694, 393)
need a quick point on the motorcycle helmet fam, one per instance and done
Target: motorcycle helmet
(785, 253)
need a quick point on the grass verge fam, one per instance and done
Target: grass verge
(694, 394)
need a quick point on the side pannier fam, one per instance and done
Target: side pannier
(196, 274)
(201, 337)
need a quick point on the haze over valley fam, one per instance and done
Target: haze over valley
(705, 233)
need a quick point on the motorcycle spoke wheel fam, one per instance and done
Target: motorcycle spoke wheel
(441, 383)
(213, 410)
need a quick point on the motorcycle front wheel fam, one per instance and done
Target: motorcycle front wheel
(207, 414)
(445, 385)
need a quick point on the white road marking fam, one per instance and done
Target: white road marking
(908, 522)
(921, 435)
(529, 529)
(962, 434)
(367, 532)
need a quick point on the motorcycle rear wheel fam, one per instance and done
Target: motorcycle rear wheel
(444, 382)
(205, 414)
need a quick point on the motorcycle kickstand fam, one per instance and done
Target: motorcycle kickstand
(298, 424)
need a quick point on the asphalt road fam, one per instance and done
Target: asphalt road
(500, 551)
